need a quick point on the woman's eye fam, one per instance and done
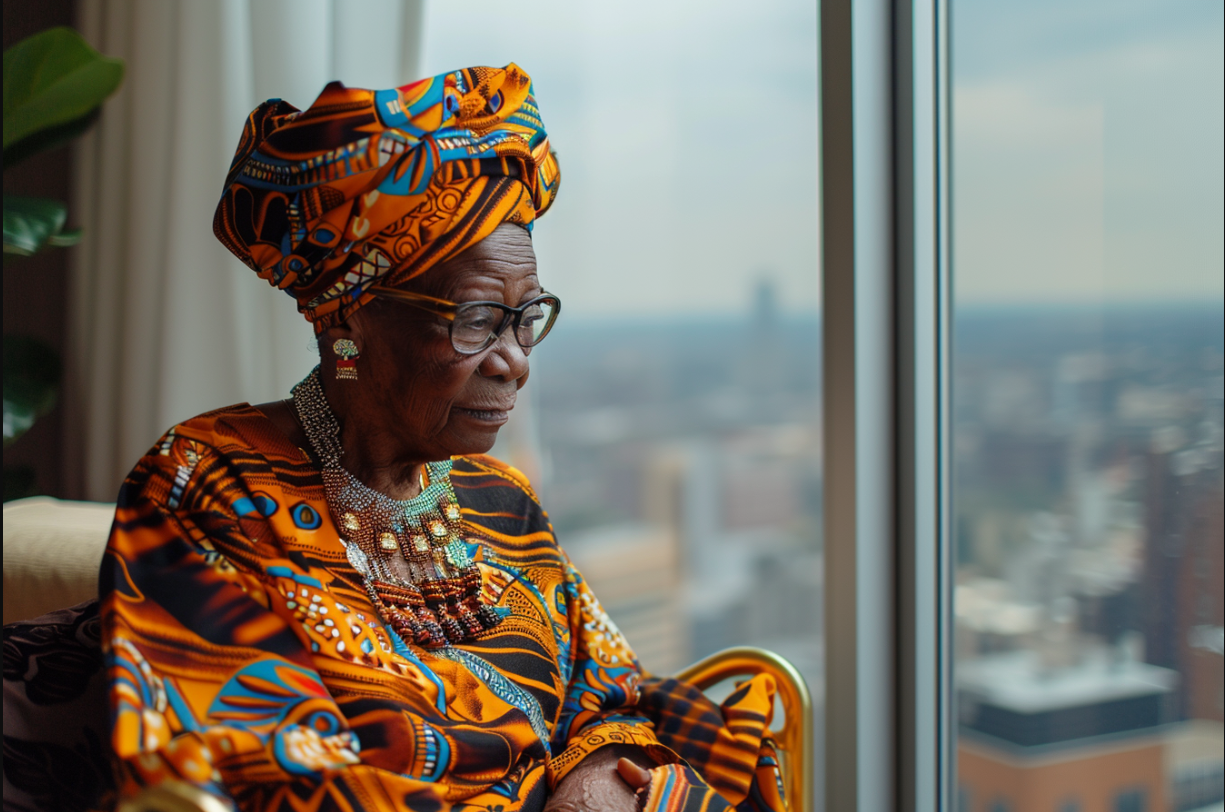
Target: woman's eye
(479, 320)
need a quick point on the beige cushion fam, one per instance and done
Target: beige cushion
(52, 551)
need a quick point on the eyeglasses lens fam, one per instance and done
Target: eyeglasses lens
(535, 322)
(473, 327)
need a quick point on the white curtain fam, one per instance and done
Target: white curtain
(165, 322)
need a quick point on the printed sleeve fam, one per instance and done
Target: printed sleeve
(601, 702)
(208, 683)
(710, 756)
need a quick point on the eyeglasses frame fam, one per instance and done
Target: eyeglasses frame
(450, 310)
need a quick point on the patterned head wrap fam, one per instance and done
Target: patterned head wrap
(378, 186)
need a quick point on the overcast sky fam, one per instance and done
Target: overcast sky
(686, 133)
(1087, 153)
(1088, 150)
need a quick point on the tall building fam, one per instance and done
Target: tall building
(1201, 596)
(1184, 575)
(1041, 733)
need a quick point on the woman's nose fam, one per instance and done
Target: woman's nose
(506, 359)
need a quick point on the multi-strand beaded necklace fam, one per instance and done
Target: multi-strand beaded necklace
(410, 553)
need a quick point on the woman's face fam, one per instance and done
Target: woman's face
(413, 389)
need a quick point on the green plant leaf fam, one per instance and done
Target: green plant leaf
(30, 222)
(49, 138)
(52, 78)
(31, 383)
(66, 238)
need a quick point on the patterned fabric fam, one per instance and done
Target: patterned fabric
(56, 756)
(728, 745)
(371, 186)
(244, 656)
(678, 788)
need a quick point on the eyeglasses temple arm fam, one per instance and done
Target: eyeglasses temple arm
(409, 296)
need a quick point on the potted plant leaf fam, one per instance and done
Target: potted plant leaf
(54, 87)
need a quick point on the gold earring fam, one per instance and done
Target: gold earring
(346, 359)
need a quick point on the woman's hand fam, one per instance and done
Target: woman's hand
(605, 781)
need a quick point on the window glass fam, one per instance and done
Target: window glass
(1088, 266)
(672, 422)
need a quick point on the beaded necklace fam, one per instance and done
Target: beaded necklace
(410, 553)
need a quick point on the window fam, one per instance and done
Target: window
(1038, 503)
(1135, 800)
(1052, 480)
(674, 421)
(1087, 414)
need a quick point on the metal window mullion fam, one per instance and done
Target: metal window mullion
(884, 218)
(921, 266)
(857, 307)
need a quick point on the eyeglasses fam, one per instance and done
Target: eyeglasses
(477, 325)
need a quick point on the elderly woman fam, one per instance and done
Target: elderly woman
(335, 601)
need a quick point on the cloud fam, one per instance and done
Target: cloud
(1091, 173)
(1087, 147)
(687, 138)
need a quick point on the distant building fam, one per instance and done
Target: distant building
(634, 569)
(1184, 576)
(1194, 766)
(1201, 595)
(763, 366)
(1123, 776)
(1086, 736)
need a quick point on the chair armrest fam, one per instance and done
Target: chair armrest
(172, 796)
(53, 549)
(795, 739)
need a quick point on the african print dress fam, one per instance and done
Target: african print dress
(245, 657)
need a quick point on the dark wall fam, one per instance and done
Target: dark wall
(36, 288)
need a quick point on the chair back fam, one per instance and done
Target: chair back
(794, 741)
(53, 549)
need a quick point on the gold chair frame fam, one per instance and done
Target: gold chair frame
(794, 740)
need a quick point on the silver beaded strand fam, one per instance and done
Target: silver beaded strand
(424, 531)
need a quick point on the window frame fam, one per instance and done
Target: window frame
(886, 335)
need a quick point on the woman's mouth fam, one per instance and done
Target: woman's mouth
(493, 417)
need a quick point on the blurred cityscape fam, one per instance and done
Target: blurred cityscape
(681, 468)
(681, 464)
(1088, 493)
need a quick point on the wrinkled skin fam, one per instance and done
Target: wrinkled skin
(416, 400)
(605, 781)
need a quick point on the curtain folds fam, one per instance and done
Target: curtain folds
(164, 322)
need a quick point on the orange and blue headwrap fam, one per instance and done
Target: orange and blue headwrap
(378, 186)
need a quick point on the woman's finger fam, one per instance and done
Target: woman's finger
(634, 775)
